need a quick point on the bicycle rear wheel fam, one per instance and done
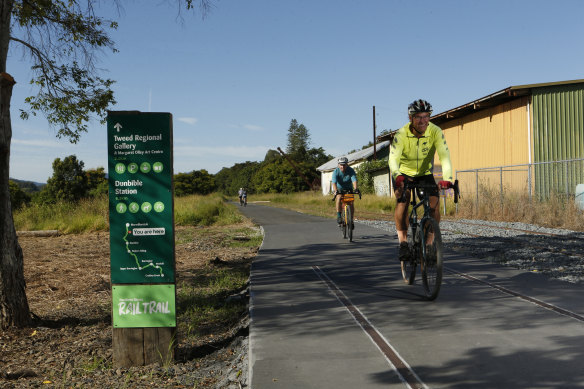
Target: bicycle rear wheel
(408, 267)
(430, 253)
(349, 222)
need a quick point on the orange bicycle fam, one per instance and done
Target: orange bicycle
(347, 199)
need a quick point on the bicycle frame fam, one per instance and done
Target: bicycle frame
(347, 200)
(426, 241)
(424, 201)
(419, 190)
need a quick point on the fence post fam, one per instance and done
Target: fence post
(501, 185)
(529, 181)
(477, 187)
(567, 179)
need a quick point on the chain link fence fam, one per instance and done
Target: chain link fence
(539, 181)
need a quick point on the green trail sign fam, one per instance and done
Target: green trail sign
(143, 306)
(141, 206)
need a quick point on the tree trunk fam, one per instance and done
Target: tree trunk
(14, 309)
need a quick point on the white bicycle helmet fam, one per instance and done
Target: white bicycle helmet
(343, 160)
(419, 106)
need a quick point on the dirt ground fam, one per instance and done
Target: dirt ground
(70, 342)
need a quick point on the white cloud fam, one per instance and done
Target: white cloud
(187, 120)
(37, 143)
(253, 127)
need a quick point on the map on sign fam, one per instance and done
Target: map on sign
(140, 197)
(143, 263)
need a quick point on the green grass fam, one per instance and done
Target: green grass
(202, 304)
(92, 214)
(68, 218)
(196, 210)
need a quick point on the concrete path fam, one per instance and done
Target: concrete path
(328, 313)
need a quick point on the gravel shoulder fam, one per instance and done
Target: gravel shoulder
(552, 252)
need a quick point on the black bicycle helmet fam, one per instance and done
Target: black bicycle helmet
(419, 106)
(343, 160)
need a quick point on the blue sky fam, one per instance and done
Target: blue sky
(234, 80)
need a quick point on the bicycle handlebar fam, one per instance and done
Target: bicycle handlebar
(413, 185)
(344, 192)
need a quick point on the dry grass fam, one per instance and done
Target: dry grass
(554, 212)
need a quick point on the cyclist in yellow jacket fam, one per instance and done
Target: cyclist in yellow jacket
(411, 158)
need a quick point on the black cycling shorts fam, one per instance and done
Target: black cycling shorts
(429, 179)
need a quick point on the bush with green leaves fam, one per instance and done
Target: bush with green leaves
(18, 197)
(365, 176)
(196, 182)
(68, 183)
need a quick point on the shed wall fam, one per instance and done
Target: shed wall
(497, 136)
(558, 123)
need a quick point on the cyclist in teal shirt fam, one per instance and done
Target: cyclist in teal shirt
(344, 178)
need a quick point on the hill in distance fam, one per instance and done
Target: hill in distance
(29, 186)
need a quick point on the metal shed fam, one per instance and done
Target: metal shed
(525, 137)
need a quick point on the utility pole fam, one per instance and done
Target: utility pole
(374, 137)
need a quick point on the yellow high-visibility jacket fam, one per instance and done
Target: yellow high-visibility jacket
(414, 156)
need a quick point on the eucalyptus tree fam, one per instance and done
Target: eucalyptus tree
(63, 40)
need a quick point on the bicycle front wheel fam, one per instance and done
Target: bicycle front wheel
(430, 254)
(408, 267)
(349, 222)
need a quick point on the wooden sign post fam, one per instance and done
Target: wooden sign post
(141, 210)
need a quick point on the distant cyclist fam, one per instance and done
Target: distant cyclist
(244, 196)
(240, 195)
(344, 178)
(411, 158)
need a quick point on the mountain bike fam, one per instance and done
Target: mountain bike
(425, 240)
(347, 200)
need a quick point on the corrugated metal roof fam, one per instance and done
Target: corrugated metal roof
(493, 99)
(353, 157)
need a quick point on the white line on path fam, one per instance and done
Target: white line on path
(398, 364)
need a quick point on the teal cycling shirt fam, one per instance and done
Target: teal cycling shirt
(414, 156)
(345, 180)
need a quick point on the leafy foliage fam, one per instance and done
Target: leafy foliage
(195, 182)
(68, 183)
(97, 184)
(240, 175)
(61, 38)
(364, 175)
(18, 197)
(277, 177)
